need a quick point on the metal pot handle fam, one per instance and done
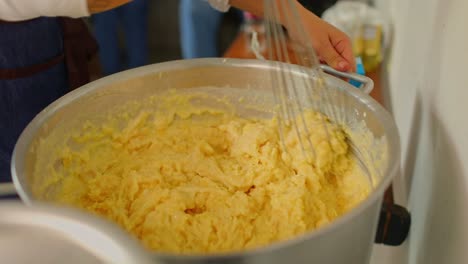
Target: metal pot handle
(367, 83)
(394, 225)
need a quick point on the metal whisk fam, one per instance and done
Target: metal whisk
(294, 95)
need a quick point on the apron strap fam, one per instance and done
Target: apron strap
(17, 73)
(79, 47)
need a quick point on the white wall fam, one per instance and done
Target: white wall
(428, 92)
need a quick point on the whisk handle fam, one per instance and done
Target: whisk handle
(367, 83)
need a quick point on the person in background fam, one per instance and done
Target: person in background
(133, 18)
(200, 26)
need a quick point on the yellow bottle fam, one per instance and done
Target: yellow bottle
(358, 42)
(372, 50)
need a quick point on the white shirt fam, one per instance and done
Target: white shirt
(221, 5)
(17, 10)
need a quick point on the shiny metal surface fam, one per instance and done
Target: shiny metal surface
(45, 234)
(348, 239)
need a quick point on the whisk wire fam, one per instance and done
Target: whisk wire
(306, 56)
(286, 91)
(296, 101)
(312, 80)
(276, 92)
(295, 95)
(297, 88)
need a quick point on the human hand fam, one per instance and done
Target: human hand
(97, 6)
(332, 45)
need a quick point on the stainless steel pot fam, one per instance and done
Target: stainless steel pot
(348, 239)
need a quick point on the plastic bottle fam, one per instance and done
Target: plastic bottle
(372, 36)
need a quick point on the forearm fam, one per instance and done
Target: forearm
(96, 6)
(17, 10)
(332, 45)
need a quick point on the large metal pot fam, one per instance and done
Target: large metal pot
(349, 239)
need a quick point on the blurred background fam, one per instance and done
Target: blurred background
(152, 31)
(163, 31)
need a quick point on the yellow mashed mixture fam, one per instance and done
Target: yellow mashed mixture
(200, 181)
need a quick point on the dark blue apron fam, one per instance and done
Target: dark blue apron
(22, 45)
(40, 60)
